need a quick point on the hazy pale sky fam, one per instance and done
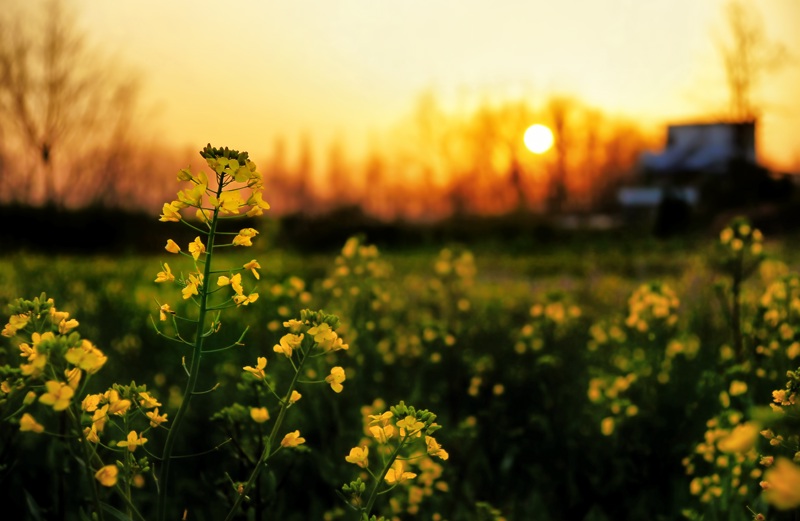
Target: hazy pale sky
(239, 73)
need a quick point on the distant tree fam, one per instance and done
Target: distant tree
(560, 110)
(304, 197)
(63, 112)
(747, 55)
(339, 182)
(374, 197)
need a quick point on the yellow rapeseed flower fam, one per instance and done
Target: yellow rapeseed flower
(257, 203)
(116, 405)
(236, 284)
(87, 357)
(288, 344)
(294, 397)
(607, 426)
(37, 361)
(133, 441)
(65, 326)
(292, 439)
(410, 426)
(382, 434)
(737, 388)
(196, 248)
(253, 266)
(166, 275)
(147, 401)
(107, 476)
(336, 378)
(163, 311)
(73, 377)
(245, 237)
(259, 414)
(172, 246)
(397, 474)
(28, 424)
(204, 216)
(244, 300)
(191, 286)
(170, 212)
(434, 449)
(229, 202)
(741, 439)
(58, 395)
(155, 418)
(782, 485)
(381, 419)
(15, 323)
(258, 370)
(358, 456)
(91, 402)
(100, 418)
(90, 433)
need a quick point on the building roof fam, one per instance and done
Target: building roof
(708, 147)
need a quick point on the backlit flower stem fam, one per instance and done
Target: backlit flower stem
(736, 312)
(267, 452)
(194, 370)
(373, 495)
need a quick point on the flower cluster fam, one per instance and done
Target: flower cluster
(632, 368)
(740, 237)
(396, 450)
(356, 262)
(55, 362)
(550, 321)
(725, 463)
(235, 174)
(740, 249)
(230, 166)
(653, 305)
(56, 366)
(311, 336)
(459, 264)
(777, 324)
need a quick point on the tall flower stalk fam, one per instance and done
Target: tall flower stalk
(741, 252)
(311, 338)
(233, 174)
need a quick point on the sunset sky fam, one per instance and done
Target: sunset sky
(242, 72)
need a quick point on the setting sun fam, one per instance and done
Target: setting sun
(538, 139)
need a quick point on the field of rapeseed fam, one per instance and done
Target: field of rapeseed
(229, 379)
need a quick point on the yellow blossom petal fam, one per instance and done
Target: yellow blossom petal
(259, 414)
(28, 424)
(107, 476)
(336, 378)
(197, 248)
(172, 246)
(292, 439)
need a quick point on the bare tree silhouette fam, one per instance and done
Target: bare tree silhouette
(65, 110)
(747, 56)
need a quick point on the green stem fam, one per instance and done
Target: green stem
(87, 456)
(736, 311)
(194, 373)
(267, 452)
(373, 495)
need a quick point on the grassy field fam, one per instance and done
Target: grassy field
(593, 381)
